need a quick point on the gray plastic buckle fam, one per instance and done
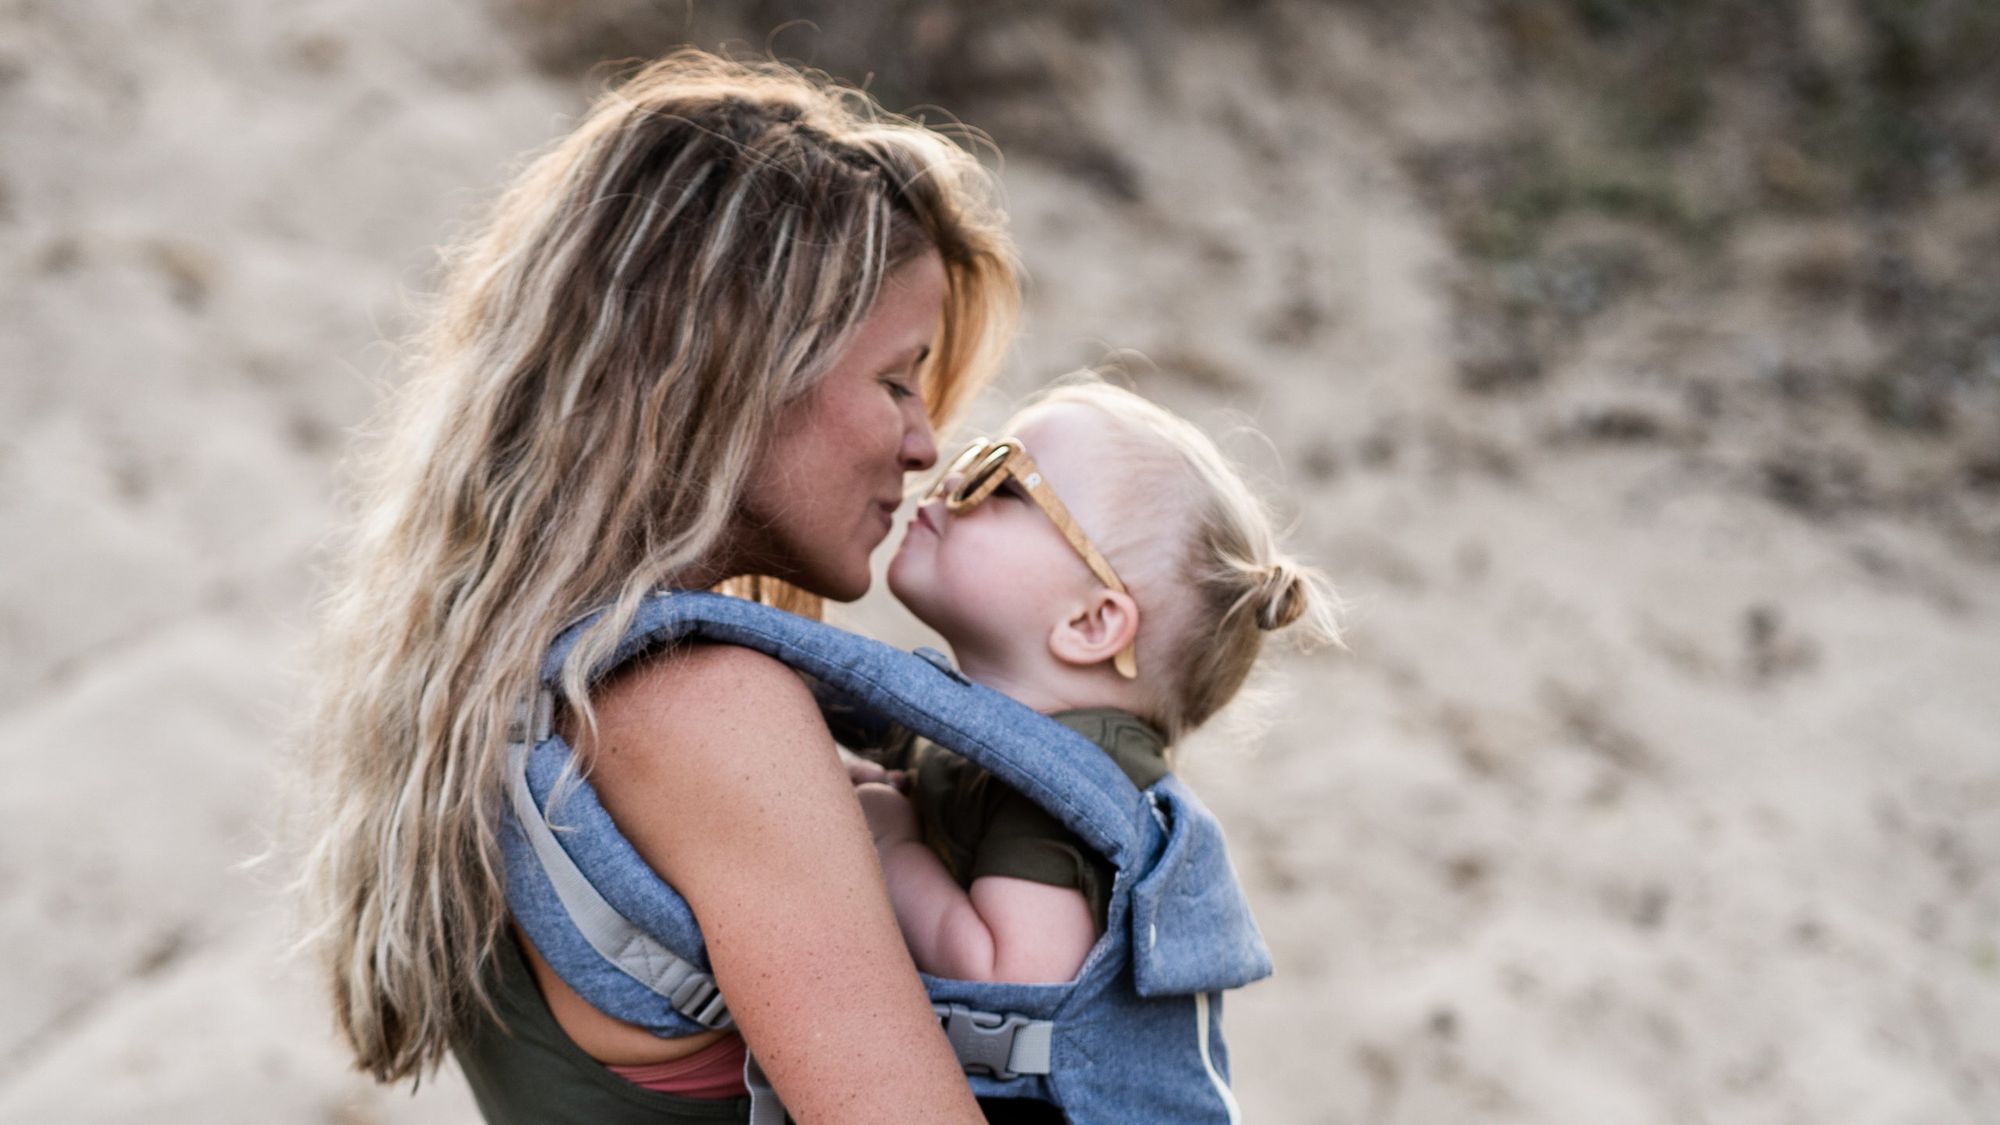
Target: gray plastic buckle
(702, 1003)
(1004, 1046)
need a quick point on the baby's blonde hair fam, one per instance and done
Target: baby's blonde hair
(1198, 550)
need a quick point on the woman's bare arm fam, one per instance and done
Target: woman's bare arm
(715, 764)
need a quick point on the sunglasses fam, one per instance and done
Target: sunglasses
(983, 467)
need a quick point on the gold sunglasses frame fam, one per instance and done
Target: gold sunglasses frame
(983, 466)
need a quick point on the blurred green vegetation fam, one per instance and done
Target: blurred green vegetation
(1653, 127)
(1833, 103)
(1868, 104)
(1683, 119)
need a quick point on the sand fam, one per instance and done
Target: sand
(1640, 793)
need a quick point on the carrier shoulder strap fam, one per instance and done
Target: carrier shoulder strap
(1052, 765)
(596, 891)
(686, 987)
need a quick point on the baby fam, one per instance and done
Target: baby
(1107, 566)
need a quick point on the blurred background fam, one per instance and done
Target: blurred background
(1633, 366)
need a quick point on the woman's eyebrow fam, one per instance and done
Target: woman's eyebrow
(909, 359)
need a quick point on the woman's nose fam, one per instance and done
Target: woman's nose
(919, 451)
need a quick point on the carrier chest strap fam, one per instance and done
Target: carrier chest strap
(631, 950)
(1004, 1046)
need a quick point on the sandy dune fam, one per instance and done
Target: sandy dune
(1639, 795)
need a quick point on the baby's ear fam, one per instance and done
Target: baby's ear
(1095, 629)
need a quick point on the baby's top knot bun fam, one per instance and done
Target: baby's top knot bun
(1281, 596)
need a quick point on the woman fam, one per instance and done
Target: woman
(702, 339)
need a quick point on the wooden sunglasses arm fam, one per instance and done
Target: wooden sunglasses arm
(1066, 523)
(1026, 471)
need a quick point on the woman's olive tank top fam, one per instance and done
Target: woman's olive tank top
(529, 1072)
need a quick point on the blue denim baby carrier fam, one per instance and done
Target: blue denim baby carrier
(1135, 1037)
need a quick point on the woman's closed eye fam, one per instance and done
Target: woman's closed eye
(902, 375)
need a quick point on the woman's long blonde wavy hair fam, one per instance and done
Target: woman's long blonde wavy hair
(607, 356)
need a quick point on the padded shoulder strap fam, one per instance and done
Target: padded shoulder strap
(1192, 931)
(1049, 763)
(612, 929)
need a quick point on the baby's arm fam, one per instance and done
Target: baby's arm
(1005, 929)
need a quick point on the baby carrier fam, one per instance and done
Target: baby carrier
(1135, 1037)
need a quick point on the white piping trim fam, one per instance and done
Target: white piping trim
(1208, 1064)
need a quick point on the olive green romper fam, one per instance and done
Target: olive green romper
(978, 825)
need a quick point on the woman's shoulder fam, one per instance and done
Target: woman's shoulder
(687, 740)
(689, 689)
